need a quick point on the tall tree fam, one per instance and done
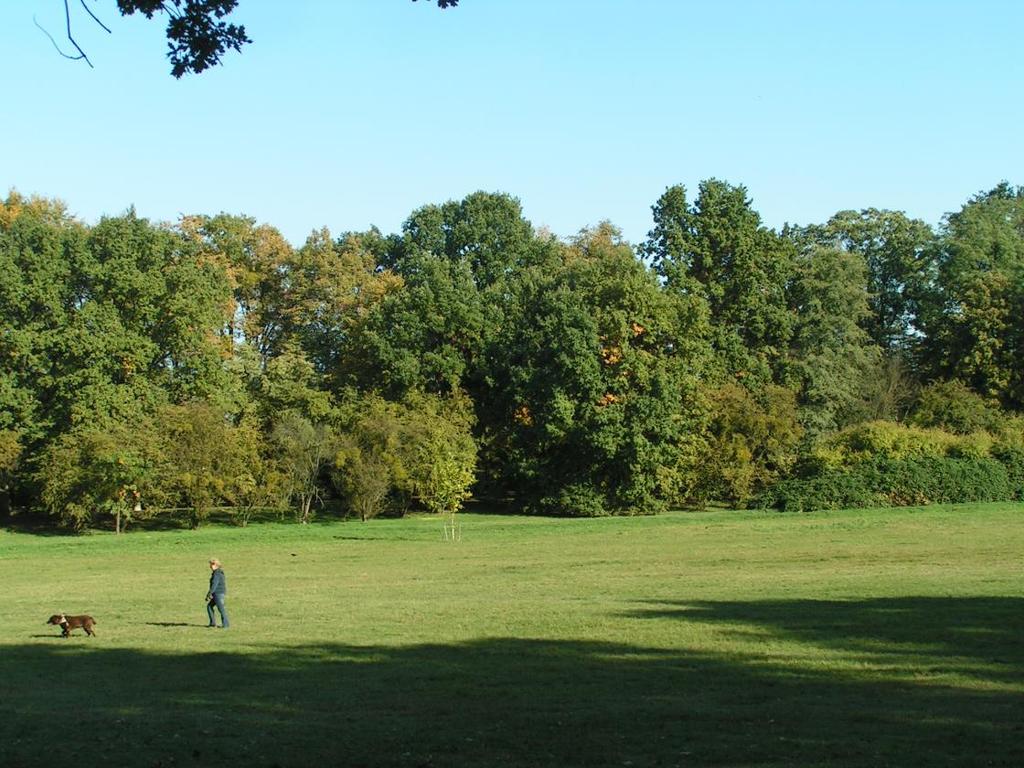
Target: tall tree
(208, 457)
(304, 450)
(486, 230)
(255, 259)
(424, 336)
(895, 250)
(109, 470)
(591, 383)
(43, 264)
(456, 260)
(973, 311)
(831, 357)
(171, 304)
(330, 288)
(717, 249)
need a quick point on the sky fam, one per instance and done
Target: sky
(352, 113)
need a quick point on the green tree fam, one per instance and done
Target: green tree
(260, 482)
(457, 261)
(591, 381)
(92, 472)
(144, 325)
(419, 449)
(486, 230)
(425, 336)
(369, 468)
(952, 406)
(291, 384)
(303, 450)
(973, 310)
(208, 457)
(831, 359)
(718, 250)
(753, 441)
(364, 476)
(895, 251)
(162, 307)
(10, 456)
(195, 309)
(107, 325)
(438, 451)
(331, 288)
(43, 263)
(255, 260)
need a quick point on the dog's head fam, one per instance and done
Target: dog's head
(57, 619)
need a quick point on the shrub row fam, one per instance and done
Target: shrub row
(886, 481)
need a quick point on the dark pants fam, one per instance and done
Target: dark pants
(217, 600)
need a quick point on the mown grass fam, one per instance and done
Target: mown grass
(881, 637)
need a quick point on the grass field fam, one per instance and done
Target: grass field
(882, 637)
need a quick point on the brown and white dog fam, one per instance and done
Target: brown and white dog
(68, 623)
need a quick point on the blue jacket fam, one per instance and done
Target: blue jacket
(218, 584)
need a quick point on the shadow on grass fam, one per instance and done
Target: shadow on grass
(979, 637)
(35, 524)
(519, 702)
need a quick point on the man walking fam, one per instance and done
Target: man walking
(218, 591)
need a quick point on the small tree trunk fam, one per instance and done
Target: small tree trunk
(307, 502)
(452, 530)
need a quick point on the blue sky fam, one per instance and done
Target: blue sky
(348, 113)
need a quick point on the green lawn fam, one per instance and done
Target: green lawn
(881, 637)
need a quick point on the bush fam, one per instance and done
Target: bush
(392, 453)
(900, 482)
(1012, 459)
(954, 407)
(940, 481)
(1010, 431)
(977, 445)
(872, 439)
(832, 490)
(751, 443)
(576, 500)
(888, 464)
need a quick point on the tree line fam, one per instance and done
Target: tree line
(208, 363)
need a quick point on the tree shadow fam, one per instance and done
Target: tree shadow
(34, 524)
(978, 637)
(508, 702)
